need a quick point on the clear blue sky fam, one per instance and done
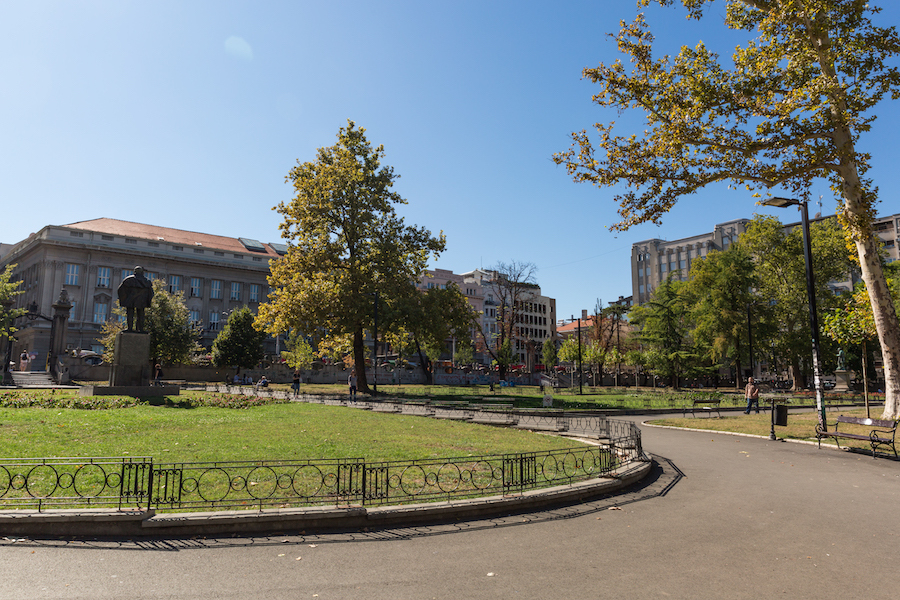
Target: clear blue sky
(190, 114)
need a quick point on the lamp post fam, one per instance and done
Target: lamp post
(811, 292)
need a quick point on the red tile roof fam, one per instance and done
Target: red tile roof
(172, 236)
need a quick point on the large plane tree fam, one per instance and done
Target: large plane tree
(789, 109)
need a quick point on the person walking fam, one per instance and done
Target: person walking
(295, 383)
(351, 381)
(751, 392)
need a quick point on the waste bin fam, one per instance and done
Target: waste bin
(781, 412)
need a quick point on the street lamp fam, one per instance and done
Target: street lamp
(811, 292)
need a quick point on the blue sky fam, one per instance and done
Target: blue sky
(190, 114)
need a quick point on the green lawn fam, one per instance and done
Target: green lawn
(801, 425)
(270, 431)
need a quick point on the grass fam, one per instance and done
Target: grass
(801, 425)
(196, 427)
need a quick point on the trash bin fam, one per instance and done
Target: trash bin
(781, 413)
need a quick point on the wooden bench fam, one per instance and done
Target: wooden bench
(882, 433)
(705, 405)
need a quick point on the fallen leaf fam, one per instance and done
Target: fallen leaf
(490, 575)
(614, 508)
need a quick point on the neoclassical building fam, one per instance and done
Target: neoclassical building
(89, 259)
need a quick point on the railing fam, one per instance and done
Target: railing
(139, 483)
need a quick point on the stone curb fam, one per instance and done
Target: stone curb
(138, 523)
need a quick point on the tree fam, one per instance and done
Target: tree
(781, 280)
(464, 353)
(664, 329)
(239, 344)
(299, 354)
(345, 245)
(549, 353)
(8, 291)
(790, 110)
(719, 293)
(853, 324)
(514, 283)
(173, 338)
(433, 317)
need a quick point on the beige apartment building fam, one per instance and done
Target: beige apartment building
(89, 259)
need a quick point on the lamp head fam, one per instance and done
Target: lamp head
(781, 202)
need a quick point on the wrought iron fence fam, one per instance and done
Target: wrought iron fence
(41, 483)
(138, 482)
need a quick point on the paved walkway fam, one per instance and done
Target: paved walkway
(720, 517)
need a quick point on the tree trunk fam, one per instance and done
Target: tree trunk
(857, 210)
(359, 361)
(425, 363)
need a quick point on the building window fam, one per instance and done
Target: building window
(103, 275)
(196, 284)
(257, 259)
(107, 238)
(127, 273)
(150, 275)
(178, 248)
(254, 292)
(130, 241)
(174, 283)
(76, 234)
(235, 290)
(218, 253)
(194, 316)
(213, 321)
(72, 272)
(198, 250)
(101, 312)
(216, 290)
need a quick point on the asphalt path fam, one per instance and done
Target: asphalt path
(719, 517)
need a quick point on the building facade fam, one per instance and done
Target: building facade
(89, 259)
(652, 261)
(533, 315)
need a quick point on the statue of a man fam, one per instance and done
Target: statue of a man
(135, 293)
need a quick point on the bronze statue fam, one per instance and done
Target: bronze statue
(135, 293)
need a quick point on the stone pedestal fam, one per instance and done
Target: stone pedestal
(131, 360)
(841, 381)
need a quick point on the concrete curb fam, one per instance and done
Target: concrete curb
(137, 524)
(738, 434)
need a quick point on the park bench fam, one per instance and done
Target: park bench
(882, 433)
(708, 405)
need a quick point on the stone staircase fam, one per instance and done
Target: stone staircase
(32, 379)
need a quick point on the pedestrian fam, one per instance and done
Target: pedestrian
(751, 392)
(23, 361)
(295, 384)
(157, 375)
(352, 382)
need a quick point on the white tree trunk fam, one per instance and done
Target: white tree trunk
(885, 323)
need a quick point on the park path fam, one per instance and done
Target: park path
(720, 517)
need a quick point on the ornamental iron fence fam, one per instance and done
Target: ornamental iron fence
(140, 483)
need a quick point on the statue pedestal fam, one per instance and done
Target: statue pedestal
(842, 381)
(131, 360)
